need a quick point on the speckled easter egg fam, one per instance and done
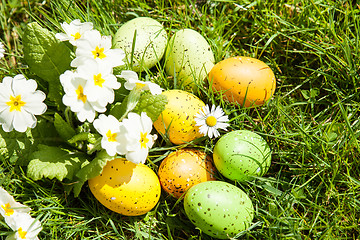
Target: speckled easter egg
(126, 188)
(240, 154)
(218, 208)
(177, 119)
(243, 80)
(188, 57)
(150, 42)
(183, 169)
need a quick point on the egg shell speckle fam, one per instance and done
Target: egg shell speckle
(240, 154)
(243, 80)
(183, 169)
(177, 120)
(150, 43)
(188, 57)
(218, 208)
(126, 188)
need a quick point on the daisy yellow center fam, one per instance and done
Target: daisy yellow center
(111, 136)
(80, 94)
(211, 121)
(143, 139)
(22, 234)
(98, 80)
(15, 103)
(76, 36)
(98, 53)
(8, 210)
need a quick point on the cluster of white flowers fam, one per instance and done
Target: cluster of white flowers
(17, 217)
(90, 87)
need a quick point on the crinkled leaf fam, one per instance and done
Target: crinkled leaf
(153, 105)
(63, 128)
(47, 57)
(83, 136)
(91, 170)
(19, 146)
(55, 162)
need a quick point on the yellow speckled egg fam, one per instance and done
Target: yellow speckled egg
(243, 80)
(183, 169)
(126, 188)
(177, 120)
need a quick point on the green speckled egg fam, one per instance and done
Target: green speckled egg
(240, 154)
(218, 208)
(178, 118)
(188, 57)
(126, 188)
(150, 42)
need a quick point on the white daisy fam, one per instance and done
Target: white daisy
(211, 120)
(97, 47)
(132, 81)
(74, 31)
(136, 131)
(2, 50)
(19, 103)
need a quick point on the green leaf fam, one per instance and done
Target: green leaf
(63, 128)
(153, 105)
(55, 162)
(83, 136)
(47, 57)
(19, 146)
(91, 170)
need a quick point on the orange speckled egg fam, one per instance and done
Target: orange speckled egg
(126, 188)
(183, 169)
(244, 80)
(177, 119)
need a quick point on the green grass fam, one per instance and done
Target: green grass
(312, 190)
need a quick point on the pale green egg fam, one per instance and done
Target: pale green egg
(241, 154)
(150, 42)
(218, 208)
(188, 57)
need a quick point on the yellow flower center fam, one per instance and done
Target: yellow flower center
(98, 53)
(98, 80)
(140, 85)
(143, 139)
(111, 136)
(22, 234)
(211, 121)
(76, 36)
(8, 210)
(15, 103)
(80, 94)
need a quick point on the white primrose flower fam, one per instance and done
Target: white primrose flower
(112, 140)
(2, 50)
(136, 131)
(132, 81)
(74, 31)
(100, 82)
(211, 120)
(9, 208)
(76, 99)
(19, 102)
(95, 46)
(26, 227)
